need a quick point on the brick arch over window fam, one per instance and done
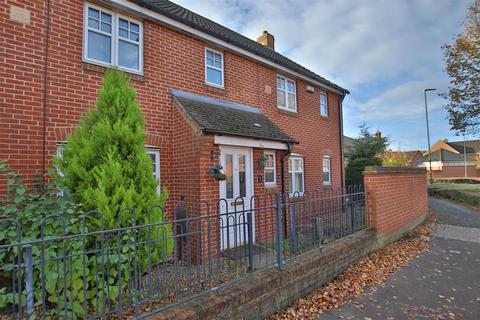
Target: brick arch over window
(154, 140)
(61, 133)
(327, 152)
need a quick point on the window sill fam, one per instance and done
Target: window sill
(216, 89)
(271, 186)
(324, 117)
(288, 112)
(102, 69)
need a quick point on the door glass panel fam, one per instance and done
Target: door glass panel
(290, 182)
(229, 174)
(269, 176)
(299, 182)
(241, 176)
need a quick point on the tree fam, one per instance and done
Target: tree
(462, 60)
(366, 151)
(394, 159)
(105, 167)
(104, 163)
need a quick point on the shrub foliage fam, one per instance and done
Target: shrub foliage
(105, 176)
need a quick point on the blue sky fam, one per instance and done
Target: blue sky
(385, 52)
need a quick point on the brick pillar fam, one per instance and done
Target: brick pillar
(397, 199)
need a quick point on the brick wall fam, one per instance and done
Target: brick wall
(396, 199)
(456, 172)
(265, 292)
(172, 60)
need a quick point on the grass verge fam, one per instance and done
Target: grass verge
(460, 192)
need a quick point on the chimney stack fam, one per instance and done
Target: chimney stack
(267, 40)
(378, 135)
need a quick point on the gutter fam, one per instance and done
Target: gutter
(44, 96)
(284, 189)
(342, 155)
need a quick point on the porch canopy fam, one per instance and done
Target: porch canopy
(232, 123)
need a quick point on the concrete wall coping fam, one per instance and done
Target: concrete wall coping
(394, 170)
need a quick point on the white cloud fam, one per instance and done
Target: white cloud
(404, 101)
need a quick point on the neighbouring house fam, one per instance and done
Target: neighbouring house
(211, 97)
(348, 144)
(456, 159)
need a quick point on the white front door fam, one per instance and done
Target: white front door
(235, 195)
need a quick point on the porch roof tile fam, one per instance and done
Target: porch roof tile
(227, 118)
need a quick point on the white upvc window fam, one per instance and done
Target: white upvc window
(214, 68)
(286, 94)
(327, 171)
(155, 156)
(270, 174)
(296, 175)
(112, 39)
(323, 104)
(152, 152)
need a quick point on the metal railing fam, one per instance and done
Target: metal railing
(134, 270)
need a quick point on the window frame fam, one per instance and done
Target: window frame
(155, 151)
(149, 150)
(326, 114)
(274, 182)
(329, 159)
(286, 92)
(222, 70)
(114, 39)
(291, 174)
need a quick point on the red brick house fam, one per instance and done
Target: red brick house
(210, 96)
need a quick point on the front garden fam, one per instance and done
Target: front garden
(72, 247)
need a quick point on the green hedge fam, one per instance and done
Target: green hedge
(461, 192)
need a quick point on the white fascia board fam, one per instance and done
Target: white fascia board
(125, 4)
(248, 142)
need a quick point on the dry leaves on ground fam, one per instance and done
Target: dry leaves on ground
(370, 271)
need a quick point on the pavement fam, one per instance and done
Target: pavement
(443, 283)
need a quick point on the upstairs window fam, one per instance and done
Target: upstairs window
(214, 68)
(269, 169)
(111, 39)
(286, 94)
(323, 105)
(295, 175)
(327, 171)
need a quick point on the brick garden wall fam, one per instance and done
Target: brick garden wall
(396, 203)
(263, 293)
(456, 172)
(397, 199)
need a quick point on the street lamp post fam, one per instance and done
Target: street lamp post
(428, 133)
(465, 153)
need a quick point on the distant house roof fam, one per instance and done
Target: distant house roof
(457, 147)
(187, 17)
(471, 146)
(447, 156)
(227, 118)
(348, 142)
